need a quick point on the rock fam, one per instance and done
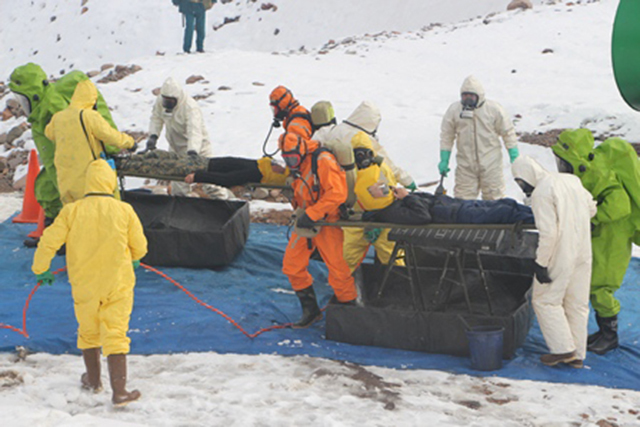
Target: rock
(159, 53)
(93, 73)
(119, 73)
(156, 91)
(192, 79)
(260, 193)
(84, 10)
(520, 4)
(84, 2)
(257, 84)
(268, 6)
(15, 133)
(3, 165)
(547, 50)
(53, 18)
(3, 139)
(224, 88)
(276, 32)
(6, 114)
(106, 67)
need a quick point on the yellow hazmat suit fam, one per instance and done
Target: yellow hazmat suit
(355, 244)
(75, 149)
(103, 237)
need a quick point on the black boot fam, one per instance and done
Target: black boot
(608, 340)
(310, 311)
(594, 337)
(32, 243)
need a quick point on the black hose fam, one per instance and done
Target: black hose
(274, 124)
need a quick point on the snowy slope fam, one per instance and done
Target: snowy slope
(57, 35)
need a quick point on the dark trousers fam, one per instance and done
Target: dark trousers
(229, 172)
(194, 17)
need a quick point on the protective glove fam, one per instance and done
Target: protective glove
(135, 263)
(192, 153)
(542, 274)
(46, 278)
(305, 222)
(412, 186)
(513, 153)
(133, 148)
(372, 235)
(152, 142)
(443, 166)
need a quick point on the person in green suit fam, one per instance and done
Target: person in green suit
(611, 173)
(40, 100)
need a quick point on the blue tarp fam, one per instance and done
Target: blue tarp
(256, 294)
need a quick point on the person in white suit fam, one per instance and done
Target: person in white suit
(186, 132)
(562, 209)
(475, 125)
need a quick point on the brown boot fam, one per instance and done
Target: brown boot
(118, 375)
(554, 359)
(91, 379)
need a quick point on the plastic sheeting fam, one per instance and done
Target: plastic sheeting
(254, 292)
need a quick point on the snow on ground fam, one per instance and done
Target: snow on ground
(413, 75)
(209, 389)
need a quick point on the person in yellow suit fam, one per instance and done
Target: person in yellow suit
(372, 192)
(80, 134)
(105, 242)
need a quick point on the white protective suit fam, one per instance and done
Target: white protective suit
(562, 209)
(477, 138)
(366, 117)
(185, 128)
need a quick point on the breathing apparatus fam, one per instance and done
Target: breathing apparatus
(469, 101)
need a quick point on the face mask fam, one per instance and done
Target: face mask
(292, 160)
(525, 186)
(169, 103)
(469, 100)
(364, 157)
(24, 102)
(563, 165)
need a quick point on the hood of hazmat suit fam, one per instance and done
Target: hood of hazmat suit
(476, 134)
(185, 127)
(365, 118)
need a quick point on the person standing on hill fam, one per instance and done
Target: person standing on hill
(476, 125)
(194, 13)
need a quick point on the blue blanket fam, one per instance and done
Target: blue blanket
(255, 293)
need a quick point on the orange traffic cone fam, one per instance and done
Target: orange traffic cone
(30, 207)
(35, 234)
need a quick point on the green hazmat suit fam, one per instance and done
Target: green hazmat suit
(45, 100)
(611, 173)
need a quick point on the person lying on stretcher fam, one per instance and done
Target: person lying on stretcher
(223, 171)
(383, 202)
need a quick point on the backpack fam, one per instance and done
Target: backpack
(340, 152)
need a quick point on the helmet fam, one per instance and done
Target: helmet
(294, 149)
(282, 102)
(322, 114)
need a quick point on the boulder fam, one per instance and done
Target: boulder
(520, 4)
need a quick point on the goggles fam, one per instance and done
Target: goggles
(469, 99)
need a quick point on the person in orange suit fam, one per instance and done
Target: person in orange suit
(318, 195)
(286, 109)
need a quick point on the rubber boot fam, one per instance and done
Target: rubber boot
(310, 311)
(91, 379)
(118, 376)
(609, 338)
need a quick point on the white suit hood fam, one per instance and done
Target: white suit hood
(172, 89)
(528, 170)
(367, 116)
(472, 84)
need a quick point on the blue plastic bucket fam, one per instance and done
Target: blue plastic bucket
(485, 346)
